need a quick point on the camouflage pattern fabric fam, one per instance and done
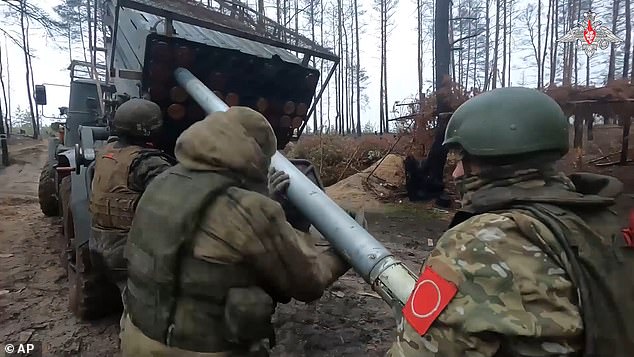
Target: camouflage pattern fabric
(512, 300)
(135, 344)
(146, 167)
(240, 227)
(246, 225)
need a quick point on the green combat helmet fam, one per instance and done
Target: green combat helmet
(137, 118)
(508, 121)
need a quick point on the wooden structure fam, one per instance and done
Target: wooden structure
(614, 102)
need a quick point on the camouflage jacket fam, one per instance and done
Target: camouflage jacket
(513, 299)
(213, 235)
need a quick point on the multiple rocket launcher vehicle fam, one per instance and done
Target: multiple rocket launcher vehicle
(193, 59)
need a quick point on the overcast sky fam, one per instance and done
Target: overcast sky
(50, 62)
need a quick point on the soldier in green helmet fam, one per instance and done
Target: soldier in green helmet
(123, 169)
(534, 263)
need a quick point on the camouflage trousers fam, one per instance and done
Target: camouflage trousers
(107, 247)
(135, 344)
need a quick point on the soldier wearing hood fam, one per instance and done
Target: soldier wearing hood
(210, 254)
(534, 263)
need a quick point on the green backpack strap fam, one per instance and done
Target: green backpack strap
(600, 265)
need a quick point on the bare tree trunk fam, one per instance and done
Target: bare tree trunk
(285, 12)
(632, 76)
(335, 44)
(351, 109)
(543, 59)
(340, 113)
(321, 78)
(576, 62)
(312, 33)
(453, 27)
(385, 102)
(432, 171)
(25, 43)
(346, 83)
(540, 76)
(433, 48)
(496, 45)
(588, 58)
(381, 106)
(475, 63)
(9, 115)
(453, 53)
(30, 71)
(81, 32)
(419, 36)
(6, 118)
(356, 29)
(296, 15)
(628, 39)
(553, 45)
(487, 44)
(612, 65)
(95, 42)
(504, 44)
(571, 47)
(262, 13)
(90, 37)
(382, 113)
(70, 44)
(468, 64)
(3, 142)
(510, 40)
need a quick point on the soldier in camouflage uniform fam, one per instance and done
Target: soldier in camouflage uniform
(210, 254)
(123, 169)
(534, 263)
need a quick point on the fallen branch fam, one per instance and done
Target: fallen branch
(363, 293)
(613, 163)
(602, 157)
(389, 151)
(354, 154)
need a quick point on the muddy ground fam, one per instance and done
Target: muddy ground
(349, 320)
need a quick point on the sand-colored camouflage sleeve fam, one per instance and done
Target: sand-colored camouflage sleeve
(512, 298)
(246, 227)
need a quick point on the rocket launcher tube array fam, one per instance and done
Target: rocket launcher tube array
(367, 256)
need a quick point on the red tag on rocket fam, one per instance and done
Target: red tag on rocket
(431, 295)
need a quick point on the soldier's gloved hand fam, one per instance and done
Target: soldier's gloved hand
(359, 216)
(278, 182)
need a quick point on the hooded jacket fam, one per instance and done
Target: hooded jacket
(205, 229)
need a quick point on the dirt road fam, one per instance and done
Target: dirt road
(33, 288)
(350, 320)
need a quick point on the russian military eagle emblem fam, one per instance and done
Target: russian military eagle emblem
(590, 35)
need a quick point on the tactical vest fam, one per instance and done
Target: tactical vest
(113, 203)
(588, 244)
(172, 297)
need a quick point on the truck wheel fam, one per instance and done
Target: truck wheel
(92, 295)
(46, 191)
